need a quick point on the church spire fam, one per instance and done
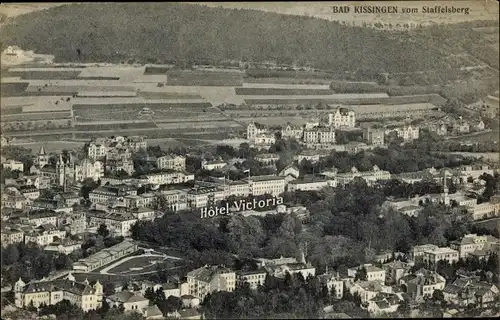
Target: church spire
(42, 151)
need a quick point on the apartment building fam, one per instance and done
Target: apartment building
(417, 252)
(471, 243)
(254, 129)
(104, 194)
(369, 176)
(13, 165)
(208, 279)
(200, 197)
(118, 224)
(319, 135)
(422, 283)
(169, 177)
(334, 284)
(407, 132)
(237, 188)
(65, 246)
(260, 185)
(253, 278)
(87, 297)
(171, 162)
(367, 290)
(292, 131)
(213, 165)
(484, 210)
(374, 136)
(440, 254)
(11, 235)
(372, 273)
(267, 158)
(342, 118)
(44, 235)
(174, 199)
(40, 217)
(310, 184)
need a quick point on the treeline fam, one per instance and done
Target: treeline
(201, 35)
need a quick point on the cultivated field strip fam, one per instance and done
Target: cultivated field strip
(282, 92)
(339, 96)
(36, 116)
(42, 75)
(284, 86)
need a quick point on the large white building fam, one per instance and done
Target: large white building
(208, 279)
(255, 129)
(200, 197)
(471, 243)
(260, 185)
(171, 162)
(319, 135)
(86, 296)
(407, 132)
(105, 256)
(342, 118)
(440, 254)
(369, 176)
(169, 177)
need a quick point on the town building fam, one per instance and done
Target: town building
(310, 184)
(44, 235)
(422, 284)
(255, 129)
(208, 279)
(171, 162)
(104, 194)
(342, 118)
(86, 296)
(253, 278)
(169, 177)
(334, 284)
(370, 177)
(267, 158)
(319, 135)
(471, 243)
(13, 165)
(11, 235)
(368, 290)
(292, 131)
(201, 197)
(260, 185)
(174, 200)
(407, 132)
(119, 224)
(105, 256)
(374, 136)
(213, 165)
(129, 301)
(464, 292)
(373, 273)
(432, 256)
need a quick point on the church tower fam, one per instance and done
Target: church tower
(444, 196)
(42, 157)
(61, 170)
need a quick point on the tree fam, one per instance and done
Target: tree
(103, 231)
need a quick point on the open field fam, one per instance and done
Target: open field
(285, 80)
(51, 146)
(139, 264)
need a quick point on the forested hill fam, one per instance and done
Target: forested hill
(167, 32)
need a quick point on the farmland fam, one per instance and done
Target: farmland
(203, 78)
(281, 91)
(44, 75)
(35, 116)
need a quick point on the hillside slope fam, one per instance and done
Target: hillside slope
(167, 32)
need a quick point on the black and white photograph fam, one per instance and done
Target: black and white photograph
(250, 160)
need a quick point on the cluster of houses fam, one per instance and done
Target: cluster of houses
(450, 125)
(320, 133)
(382, 285)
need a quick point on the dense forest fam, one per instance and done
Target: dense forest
(167, 32)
